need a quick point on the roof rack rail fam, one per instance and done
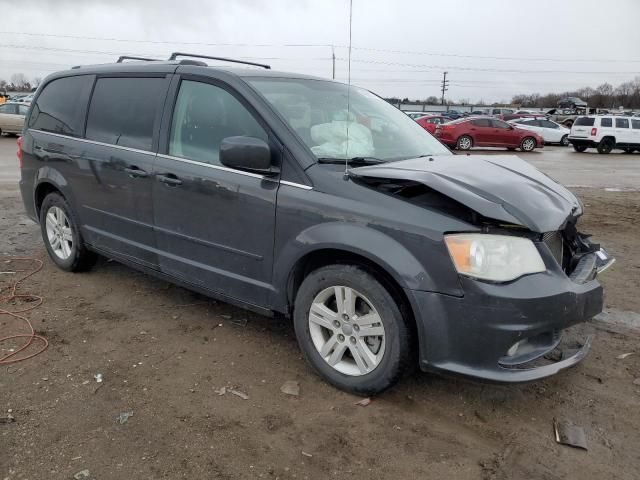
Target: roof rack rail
(128, 57)
(174, 55)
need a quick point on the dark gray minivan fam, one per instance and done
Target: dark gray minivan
(294, 195)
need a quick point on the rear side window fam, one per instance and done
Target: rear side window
(635, 124)
(481, 122)
(606, 122)
(203, 116)
(10, 109)
(585, 122)
(500, 124)
(22, 109)
(61, 105)
(123, 111)
(622, 123)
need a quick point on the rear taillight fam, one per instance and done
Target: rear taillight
(19, 152)
(594, 132)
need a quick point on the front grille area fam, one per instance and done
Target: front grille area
(554, 241)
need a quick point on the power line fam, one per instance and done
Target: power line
(475, 69)
(326, 45)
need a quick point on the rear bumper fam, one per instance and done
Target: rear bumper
(582, 142)
(472, 335)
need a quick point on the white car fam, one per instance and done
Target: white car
(416, 115)
(12, 117)
(605, 132)
(551, 132)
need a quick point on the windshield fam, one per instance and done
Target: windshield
(370, 128)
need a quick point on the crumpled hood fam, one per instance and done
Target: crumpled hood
(501, 187)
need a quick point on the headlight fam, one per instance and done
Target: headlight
(498, 258)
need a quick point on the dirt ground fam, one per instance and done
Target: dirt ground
(164, 352)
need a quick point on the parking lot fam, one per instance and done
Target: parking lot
(166, 353)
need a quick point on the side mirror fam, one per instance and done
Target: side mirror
(247, 153)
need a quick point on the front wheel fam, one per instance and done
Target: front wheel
(528, 144)
(61, 235)
(351, 330)
(564, 141)
(464, 143)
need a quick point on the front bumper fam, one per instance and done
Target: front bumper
(472, 335)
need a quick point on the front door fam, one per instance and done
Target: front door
(214, 225)
(10, 120)
(622, 131)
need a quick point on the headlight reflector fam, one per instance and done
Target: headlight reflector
(498, 258)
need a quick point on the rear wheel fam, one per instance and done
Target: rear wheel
(606, 145)
(528, 144)
(628, 150)
(351, 330)
(579, 148)
(465, 142)
(564, 141)
(61, 235)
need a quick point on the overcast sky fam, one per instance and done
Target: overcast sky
(492, 49)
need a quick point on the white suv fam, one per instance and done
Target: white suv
(605, 132)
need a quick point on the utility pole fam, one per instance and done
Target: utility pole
(445, 86)
(333, 58)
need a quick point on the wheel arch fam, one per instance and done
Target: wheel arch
(325, 256)
(49, 180)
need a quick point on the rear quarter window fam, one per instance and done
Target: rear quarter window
(585, 122)
(61, 105)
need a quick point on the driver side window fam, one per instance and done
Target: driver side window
(203, 116)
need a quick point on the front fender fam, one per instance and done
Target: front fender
(380, 249)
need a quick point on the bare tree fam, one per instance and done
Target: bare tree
(19, 80)
(35, 83)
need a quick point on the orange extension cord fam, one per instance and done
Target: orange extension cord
(36, 302)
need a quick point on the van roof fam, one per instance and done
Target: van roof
(169, 66)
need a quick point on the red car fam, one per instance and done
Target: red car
(487, 132)
(430, 122)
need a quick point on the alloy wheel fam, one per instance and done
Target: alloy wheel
(528, 144)
(347, 330)
(59, 233)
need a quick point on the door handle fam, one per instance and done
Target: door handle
(136, 172)
(169, 179)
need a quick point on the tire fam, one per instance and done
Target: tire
(387, 356)
(564, 141)
(511, 149)
(628, 150)
(579, 148)
(528, 144)
(465, 142)
(606, 145)
(62, 237)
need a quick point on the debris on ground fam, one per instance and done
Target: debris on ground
(622, 356)
(306, 454)
(239, 322)
(82, 474)
(364, 402)
(636, 381)
(569, 434)
(290, 387)
(224, 390)
(98, 377)
(8, 419)
(238, 393)
(124, 417)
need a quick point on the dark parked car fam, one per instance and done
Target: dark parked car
(487, 132)
(572, 102)
(267, 190)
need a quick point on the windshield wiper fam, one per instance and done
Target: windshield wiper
(351, 161)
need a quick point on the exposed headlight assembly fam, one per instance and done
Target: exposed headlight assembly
(497, 258)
